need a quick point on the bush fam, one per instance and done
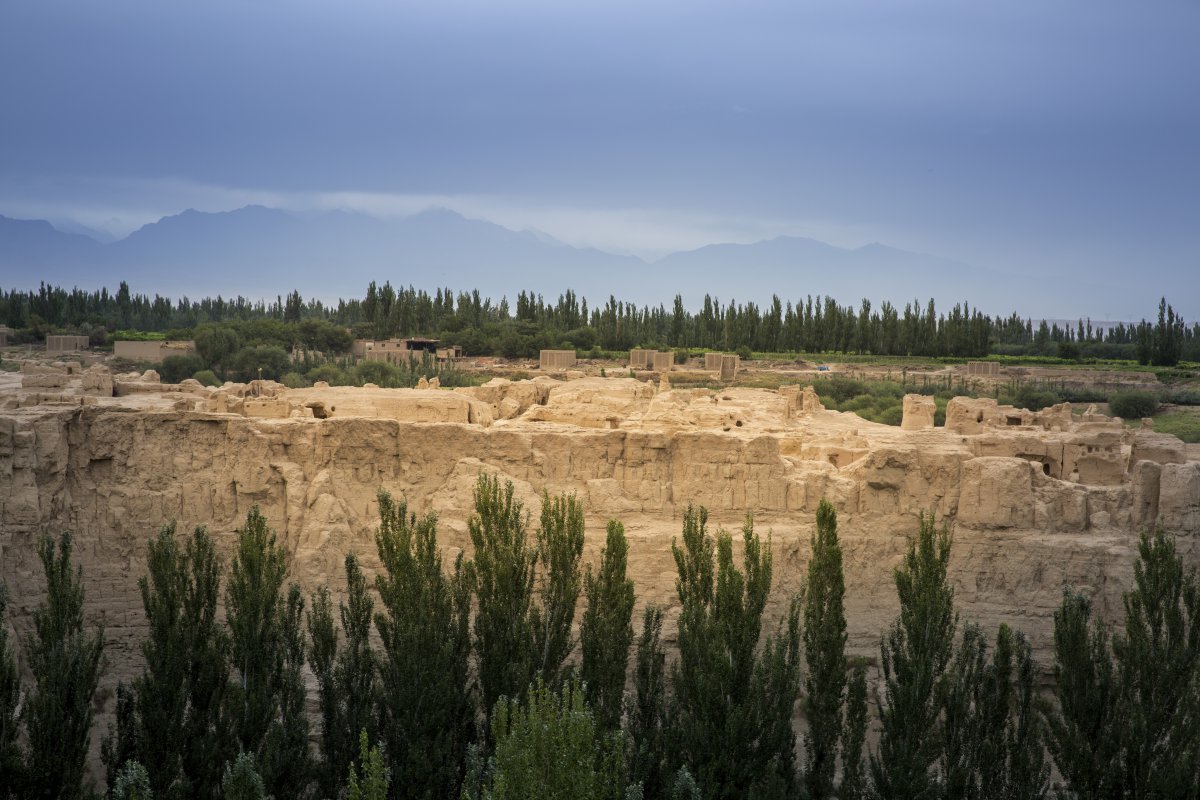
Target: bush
(294, 380)
(176, 368)
(207, 377)
(744, 353)
(1133, 405)
(1032, 398)
(266, 361)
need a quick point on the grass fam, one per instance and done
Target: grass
(1181, 422)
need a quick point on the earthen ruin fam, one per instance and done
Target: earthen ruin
(1036, 500)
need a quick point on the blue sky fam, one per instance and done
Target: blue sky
(1047, 138)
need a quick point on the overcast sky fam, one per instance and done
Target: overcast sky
(1047, 137)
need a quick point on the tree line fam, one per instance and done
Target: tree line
(484, 327)
(454, 681)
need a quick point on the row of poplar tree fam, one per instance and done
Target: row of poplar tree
(455, 683)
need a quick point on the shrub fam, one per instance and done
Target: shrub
(207, 377)
(1133, 405)
(176, 368)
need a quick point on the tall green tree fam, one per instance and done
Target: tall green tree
(286, 765)
(65, 662)
(1084, 723)
(241, 780)
(550, 747)
(825, 654)
(161, 689)
(374, 780)
(606, 631)
(208, 729)
(503, 578)
(254, 611)
(345, 679)
(732, 708)
(990, 733)
(915, 655)
(1158, 670)
(645, 710)
(12, 761)
(426, 705)
(854, 735)
(1124, 723)
(559, 550)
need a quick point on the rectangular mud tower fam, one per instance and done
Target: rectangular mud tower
(556, 359)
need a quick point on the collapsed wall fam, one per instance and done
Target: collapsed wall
(1045, 502)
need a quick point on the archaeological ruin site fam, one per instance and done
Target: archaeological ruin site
(1036, 501)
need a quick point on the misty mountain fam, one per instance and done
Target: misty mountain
(263, 252)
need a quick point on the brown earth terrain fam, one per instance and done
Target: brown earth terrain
(1036, 501)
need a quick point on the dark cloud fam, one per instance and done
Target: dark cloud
(1047, 135)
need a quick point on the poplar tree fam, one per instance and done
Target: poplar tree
(606, 631)
(345, 677)
(732, 708)
(1158, 672)
(209, 732)
(65, 662)
(286, 764)
(915, 655)
(559, 550)
(645, 710)
(550, 747)
(854, 735)
(11, 759)
(253, 604)
(825, 654)
(1084, 723)
(503, 577)
(161, 690)
(426, 709)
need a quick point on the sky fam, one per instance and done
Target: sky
(1039, 138)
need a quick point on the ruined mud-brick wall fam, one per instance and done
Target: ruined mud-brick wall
(114, 476)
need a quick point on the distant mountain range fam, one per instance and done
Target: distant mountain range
(264, 252)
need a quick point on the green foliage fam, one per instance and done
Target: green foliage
(286, 764)
(11, 758)
(345, 680)
(551, 748)
(645, 709)
(242, 781)
(915, 654)
(606, 631)
(854, 735)
(132, 783)
(426, 709)
(503, 578)
(207, 377)
(1158, 673)
(1184, 423)
(161, 689)
(174, 369)
(1133, 405)
(124, 737)
(732, 707)
(990, 734)
(65, 662)
(824, 653)
(375, 777)
(267, 362)
(208, 731)
(253, 604)
(216, 344)
(559, 549)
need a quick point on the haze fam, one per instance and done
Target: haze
(1056, 142)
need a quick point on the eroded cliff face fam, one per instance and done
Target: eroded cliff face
(1044, 502)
